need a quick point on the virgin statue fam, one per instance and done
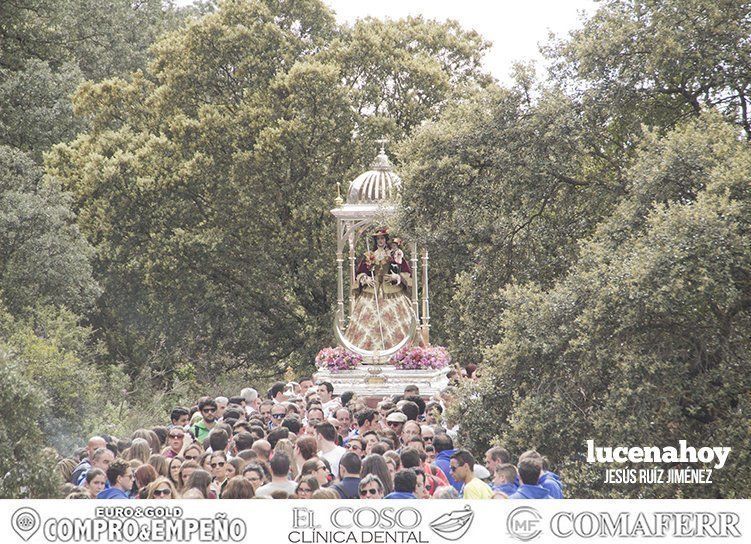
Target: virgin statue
(382, 310)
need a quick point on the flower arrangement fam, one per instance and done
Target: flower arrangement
(419, 358)
(337, 359)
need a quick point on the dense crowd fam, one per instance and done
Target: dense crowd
(302, 441)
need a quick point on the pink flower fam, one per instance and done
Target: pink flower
(417, 358)
(337, 359)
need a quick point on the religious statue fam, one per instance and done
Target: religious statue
(382, 310)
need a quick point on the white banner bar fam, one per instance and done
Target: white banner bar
(374, 522)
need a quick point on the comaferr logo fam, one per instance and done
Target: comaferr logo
(454, 525)
(640, 524)
(524, 523)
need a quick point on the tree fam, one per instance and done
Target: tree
(502, 188)
(204, 183)
(645, 340)
(658, 61)
(24, 465)
(44, 260)
(49, 48)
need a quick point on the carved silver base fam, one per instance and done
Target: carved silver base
(384, 380)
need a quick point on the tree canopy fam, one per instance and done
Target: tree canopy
(204, 182)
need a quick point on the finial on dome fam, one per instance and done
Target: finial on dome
(339, 201)
(382, 161)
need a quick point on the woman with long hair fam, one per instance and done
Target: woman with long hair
(201, 481)
(376, 464)
(65, 468)
(144, 475)
(235, 467)
(160, 464)
(317, 468)
(193, 452)
(162, 488)
(285, 445)
(219, 471)
(186, 469)
(173, 470)
(96, 481)
(205, 461)
(139, 449)
(151, 439)
(306, 487)
(238, 488)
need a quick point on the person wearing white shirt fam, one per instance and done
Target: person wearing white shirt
(326, 439)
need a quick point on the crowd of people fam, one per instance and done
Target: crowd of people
(300, 442)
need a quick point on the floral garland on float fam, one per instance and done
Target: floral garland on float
(421, 358)
(337, 359)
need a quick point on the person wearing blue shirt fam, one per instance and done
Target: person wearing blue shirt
(505, 479)
(349, 484)
(551, 482)
(405, 484)
(444, 448)
(548, 480)
(120, 476)
(530, 469)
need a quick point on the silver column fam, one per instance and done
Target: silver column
(340, 268)
(351, 269)
(425, 299)
(415, 281)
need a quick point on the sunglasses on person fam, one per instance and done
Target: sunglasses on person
(219, 464)
(162, 492)
(191, 457)
(394, 423)
(278, 416)
(355, 447)
(454, 468)
(364, 492)
(427, 438)
(176, 435)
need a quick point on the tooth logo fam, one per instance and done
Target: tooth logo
(454, 525)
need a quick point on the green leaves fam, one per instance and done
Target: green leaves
(43, 258)
(644, 340)
(659, 61)
(205, 181)
(23, 462)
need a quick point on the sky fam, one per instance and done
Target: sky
(515, 27)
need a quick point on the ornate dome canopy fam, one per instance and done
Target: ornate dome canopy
(378, 185)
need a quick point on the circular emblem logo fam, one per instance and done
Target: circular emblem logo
(523, 523)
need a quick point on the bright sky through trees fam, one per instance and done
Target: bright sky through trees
(515, 28)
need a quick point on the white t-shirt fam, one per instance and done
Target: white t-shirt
(333, 457)
(266, 490)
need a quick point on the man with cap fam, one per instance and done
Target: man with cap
(395, 421)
